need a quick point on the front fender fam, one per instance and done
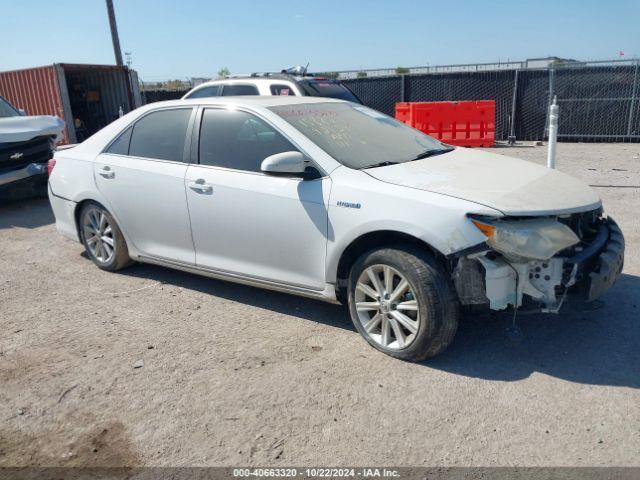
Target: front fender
(360, 204)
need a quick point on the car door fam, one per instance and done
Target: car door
(141, 176)
(248, 223)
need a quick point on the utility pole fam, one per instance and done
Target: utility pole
(114, 33)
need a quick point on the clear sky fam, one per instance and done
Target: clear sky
(178, 39)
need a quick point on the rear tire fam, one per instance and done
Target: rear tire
(102, 238)
(403, 303)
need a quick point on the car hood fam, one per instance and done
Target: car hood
(21, 129)
(510, 185)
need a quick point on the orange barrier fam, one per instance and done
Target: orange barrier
(465, 124)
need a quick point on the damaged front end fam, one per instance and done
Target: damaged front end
(538, 262)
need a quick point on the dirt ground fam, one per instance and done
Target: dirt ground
(234, 375)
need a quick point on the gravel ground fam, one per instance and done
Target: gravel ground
(156, 367)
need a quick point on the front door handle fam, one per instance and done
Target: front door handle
(201, 186)
(106, 172)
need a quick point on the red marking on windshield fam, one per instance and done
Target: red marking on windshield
(307, 113)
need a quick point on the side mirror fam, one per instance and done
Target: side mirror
(285, 162)
(22, 112)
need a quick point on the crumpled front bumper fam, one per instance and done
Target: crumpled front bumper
(488, 278)
(597, 267)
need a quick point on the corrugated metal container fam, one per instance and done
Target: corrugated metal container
(86, 97)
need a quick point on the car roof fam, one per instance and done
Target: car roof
(246, 100)
(99, 140)
(248, 79)
(270, 78)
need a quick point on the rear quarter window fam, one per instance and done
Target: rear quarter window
(284, 90)
(233, 90)
(120, 146)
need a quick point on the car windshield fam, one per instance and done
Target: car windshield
(357, 136)
(6, 110)
(327, 88)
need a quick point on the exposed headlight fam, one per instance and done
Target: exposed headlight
(538, 239)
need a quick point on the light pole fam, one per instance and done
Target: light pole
(114, 33)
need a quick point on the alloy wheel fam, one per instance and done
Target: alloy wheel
(98, 234)
(387, 307)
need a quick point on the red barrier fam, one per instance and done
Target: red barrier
(465, 124)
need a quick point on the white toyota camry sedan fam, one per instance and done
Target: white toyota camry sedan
(333, 200)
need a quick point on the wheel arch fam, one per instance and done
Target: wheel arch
(78, 209)
(94, 198)
(91, 199)
(376, 239)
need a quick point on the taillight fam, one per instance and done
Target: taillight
(50, 164)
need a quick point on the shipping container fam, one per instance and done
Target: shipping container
(86, 97)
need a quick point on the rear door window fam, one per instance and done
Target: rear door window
(238, 89)
(161, 135)
(212, 91)
(284, 90)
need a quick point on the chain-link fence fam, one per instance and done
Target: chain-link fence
(151, 96)
(467, 67)
(599, 101)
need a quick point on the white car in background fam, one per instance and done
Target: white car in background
(26, 145)
(335, 201)
(268, 84)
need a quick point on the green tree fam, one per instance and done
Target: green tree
(362, 74)
(223, 72)
(402, 70)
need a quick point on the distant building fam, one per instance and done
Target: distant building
(195, 81)
(547, 62)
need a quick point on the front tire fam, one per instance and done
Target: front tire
(402, 302)
(103, 239)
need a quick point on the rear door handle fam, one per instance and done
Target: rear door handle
(201, 186)
(106, 172)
